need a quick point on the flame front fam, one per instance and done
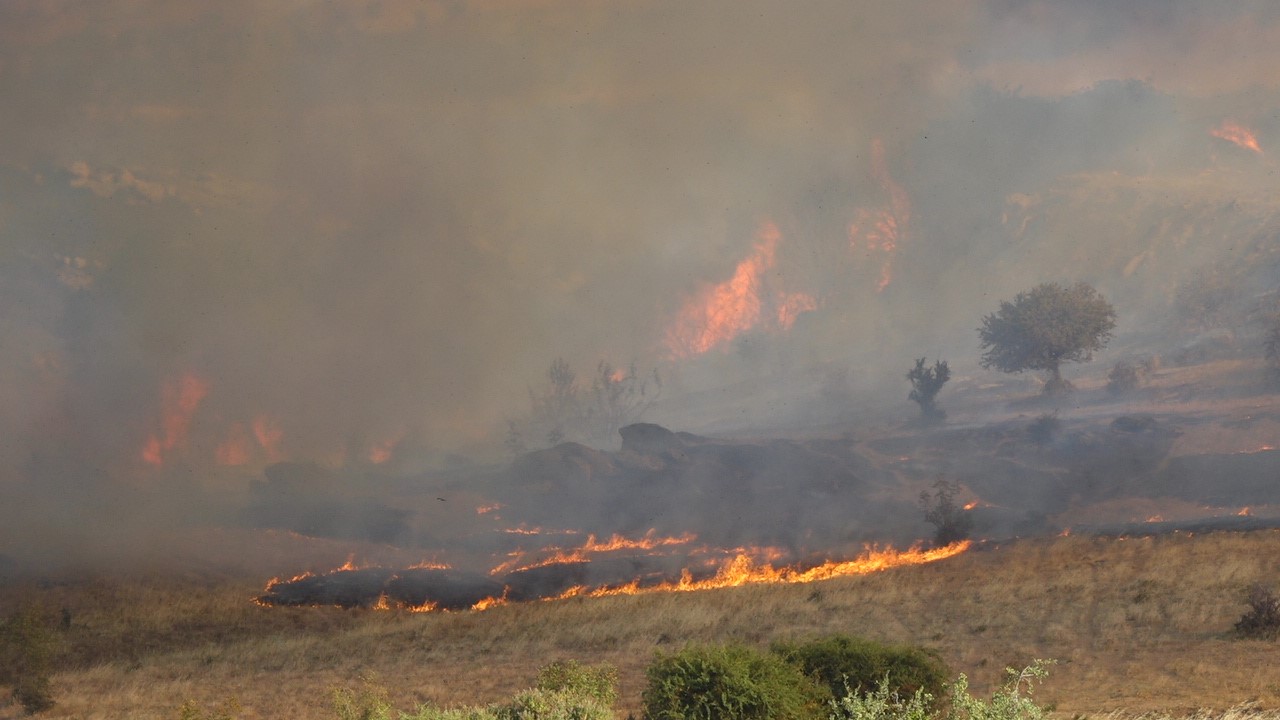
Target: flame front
(1238, 135)
(878, 232)
(179, 400)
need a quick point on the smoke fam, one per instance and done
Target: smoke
(364, 229)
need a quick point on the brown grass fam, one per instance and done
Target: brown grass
(1138, 625)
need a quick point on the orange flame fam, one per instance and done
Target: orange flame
(486, 509)
(179, 400)
(235, 449)
(489, 602)
(382, 452)
(880, 230)
(431, 565)
(1245, 511)
(648, 542)
(268, 433)
(742, 570)
(790, 305)
(1238, 135)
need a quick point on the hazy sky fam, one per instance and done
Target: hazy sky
(317, 226)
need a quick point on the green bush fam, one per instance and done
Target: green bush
(1011, 702)
(883, 703)
(27, 644)
(841, 663)
(731, 682)
(368, 702)
(540, 704)
(596, 682)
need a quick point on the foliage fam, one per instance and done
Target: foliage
(27, 644)
(542, 704)
(731, 682)
(951, 522)
(589, 681)
(842, 663)
(228, 709)
(1011, 702)
(882, 703)
(1044, 327)
(925, 384)
(368, 702)
(1044, 428)
(1124, 377)
(1263, 619)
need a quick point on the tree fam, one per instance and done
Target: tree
(925, 384)
(1045, 327)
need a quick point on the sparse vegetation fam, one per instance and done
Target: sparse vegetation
(950, 520)
(1010, 702)
(1262, 621)
(1045, 327)
(926, 382)
(566, 411)
(27, 645)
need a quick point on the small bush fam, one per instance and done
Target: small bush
(1263, 619)
(368, 702)
(228, 709)
(27, 644)
(1124, 377)
(540, 704)
(1010, 702)
(732, 682)
(587, 681)
(926, 382)
(883, 703)
(1044, 428)
(951, 522)
(841, 663)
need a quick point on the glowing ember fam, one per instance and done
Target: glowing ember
(178, 402)
(971, 505)
(1238, 135)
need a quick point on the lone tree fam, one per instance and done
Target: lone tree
(925, 384)
(1045, 327)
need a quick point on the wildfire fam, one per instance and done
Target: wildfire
(1238, 135)
(742, 570)
(648, 542)
(724, 311)
(1245, 511)
(382, 451)
(486, 509)
(179, 400)
(879, 231)
(269, 435)
(235, 449)
(557, 556)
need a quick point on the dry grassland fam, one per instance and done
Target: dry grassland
(1136, 625)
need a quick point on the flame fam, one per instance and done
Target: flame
(235, 449)
(1238, 135)
(382, 452)
(268, 433)
(742, 570)
(425, 607)
(431, 565)
(790, 305)
(648, 542)
(879, 231)
(1155, 518)
(179, 400)
(971, 505)
(489, 602)
(1245, 511)
(486, 509)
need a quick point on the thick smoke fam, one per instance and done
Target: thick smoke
(363, 230)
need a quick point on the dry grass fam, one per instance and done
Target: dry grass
(1138, 625)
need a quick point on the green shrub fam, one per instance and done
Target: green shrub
(27, 644)
(841, 663)
(539, 704)
(1011, 702)
(731, 682)
(368, 702)
(883, 703)
(596, 682)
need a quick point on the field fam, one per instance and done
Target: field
(1136, 624)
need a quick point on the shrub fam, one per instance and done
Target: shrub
(368, 702)
(587, 681)
(1263, 619)
(226, 710)
(951, 522)
(926, 382)
(1124, 377)
(1044, 428)
(27, 644)
(883, 703)
(1010, 702)
(841, 663)
(732, 682)
(540, 704)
